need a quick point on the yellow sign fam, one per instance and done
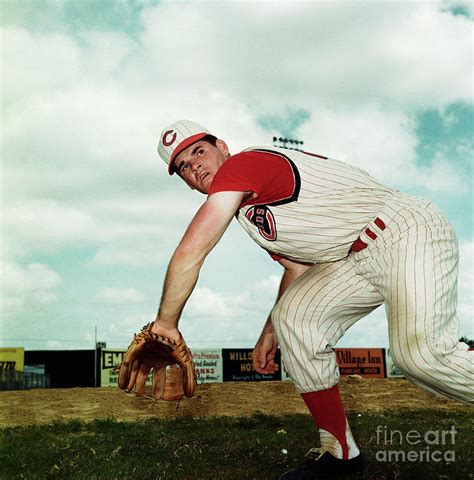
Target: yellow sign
(12, 359)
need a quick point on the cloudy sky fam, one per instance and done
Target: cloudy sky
(90, 216)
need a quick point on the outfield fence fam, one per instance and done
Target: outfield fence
(14, 380)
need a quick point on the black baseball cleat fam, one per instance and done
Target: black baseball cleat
(321, 465)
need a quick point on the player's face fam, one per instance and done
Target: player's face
(198, 163)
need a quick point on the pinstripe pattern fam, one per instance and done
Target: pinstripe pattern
(335, 202)
(311, 316)
(413, 263)
(411, 267)
(176, 133)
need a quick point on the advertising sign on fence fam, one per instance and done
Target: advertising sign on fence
(367, 362)
(208, 365)
(237, 366)
(12, 359)
(108, 360)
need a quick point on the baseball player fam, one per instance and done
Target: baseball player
(347, 244)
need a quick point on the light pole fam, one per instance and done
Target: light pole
(289, 143)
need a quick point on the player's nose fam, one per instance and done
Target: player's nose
(196, 166)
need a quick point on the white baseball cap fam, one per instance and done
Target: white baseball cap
(178, 136)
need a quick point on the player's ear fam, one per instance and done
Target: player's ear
(222, 146)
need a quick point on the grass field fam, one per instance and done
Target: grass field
(235, 448)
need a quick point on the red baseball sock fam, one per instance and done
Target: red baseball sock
(328, 414)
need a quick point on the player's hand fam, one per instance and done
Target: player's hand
(160, 327)
(263, 356)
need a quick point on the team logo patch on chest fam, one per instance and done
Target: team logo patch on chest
(262, 217)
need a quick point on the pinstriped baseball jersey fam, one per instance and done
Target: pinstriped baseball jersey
(310, 208)
(411, 266)
(325, 206)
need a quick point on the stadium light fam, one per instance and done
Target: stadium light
(287, 143)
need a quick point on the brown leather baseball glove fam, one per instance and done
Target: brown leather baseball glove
(174, 375)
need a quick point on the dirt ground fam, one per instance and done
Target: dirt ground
(42, 406)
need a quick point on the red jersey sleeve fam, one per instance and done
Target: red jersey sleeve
(271, 176)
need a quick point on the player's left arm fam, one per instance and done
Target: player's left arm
(203, 233)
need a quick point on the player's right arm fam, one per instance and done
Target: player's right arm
(203, 233)
(263, 356)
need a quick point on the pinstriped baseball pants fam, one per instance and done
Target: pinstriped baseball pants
(411, 267)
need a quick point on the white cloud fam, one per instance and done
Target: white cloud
(90, 127)
(206, 303)
(370, 331)
(382, 143)
(29, 285)
(121, 329)
(133, 231)
(443, 176)
(120, 295)
(267, 287)
(44, 225)
(254, 300)
(83, 113)
(124, 231)
(232, 319)
(344, 51)
(32, 61)
(127, 256)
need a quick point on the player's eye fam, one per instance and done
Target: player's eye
(184, 167)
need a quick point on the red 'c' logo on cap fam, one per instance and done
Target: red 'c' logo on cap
(166, 142)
